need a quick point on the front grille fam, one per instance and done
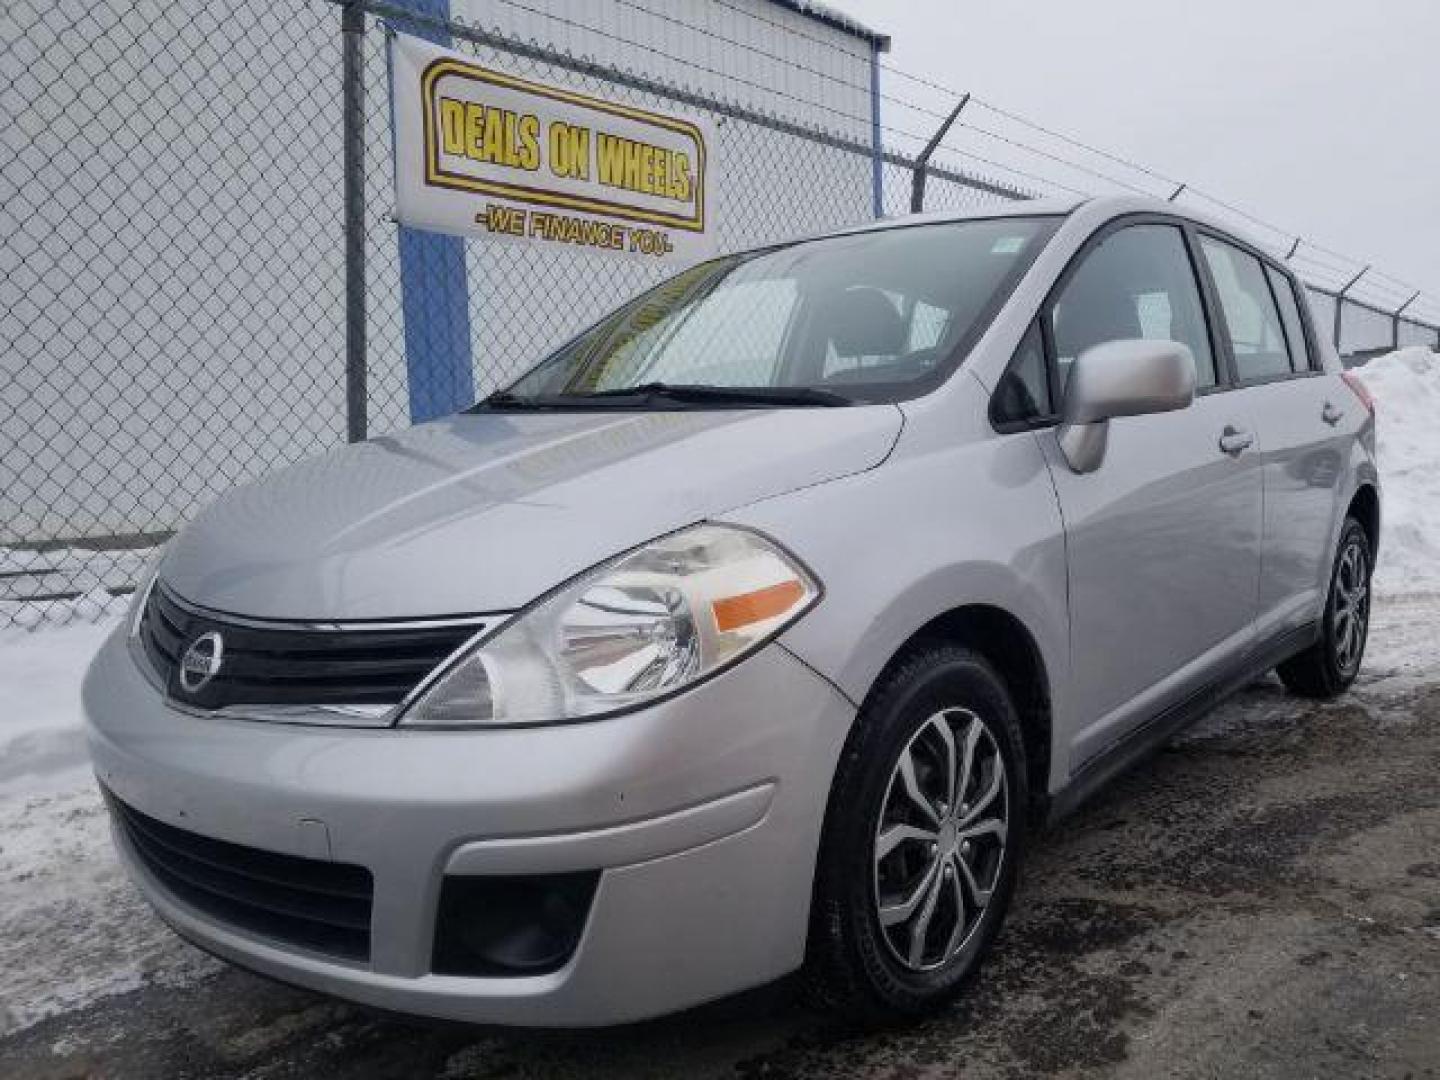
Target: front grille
(317, 905)
(284, 664)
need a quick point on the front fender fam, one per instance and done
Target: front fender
(972, 522)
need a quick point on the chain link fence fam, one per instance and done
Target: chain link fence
(173, 253)
(173, 310)
(168, 246)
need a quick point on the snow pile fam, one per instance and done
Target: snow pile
(40, 741)
(1406, 385)
(72, 928)
(832, 15)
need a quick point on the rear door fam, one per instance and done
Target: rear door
(1163, 539)
(1306, 419)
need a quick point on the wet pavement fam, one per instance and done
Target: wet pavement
(1262, 898)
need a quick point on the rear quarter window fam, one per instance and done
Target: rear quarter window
(1295, 341)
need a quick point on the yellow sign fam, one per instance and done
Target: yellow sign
(482, 152)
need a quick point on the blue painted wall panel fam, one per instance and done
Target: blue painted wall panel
(435, 297)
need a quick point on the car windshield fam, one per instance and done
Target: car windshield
(858, 318)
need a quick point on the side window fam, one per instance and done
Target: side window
(1137, 283)
(1290, 317)
(1024, 391)
(1250, 313)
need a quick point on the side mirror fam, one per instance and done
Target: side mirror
(1120, 378)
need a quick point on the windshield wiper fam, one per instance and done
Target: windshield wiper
(504, 399)
(738, 396)
(651, 393)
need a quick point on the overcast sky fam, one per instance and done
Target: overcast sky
(1317, 115)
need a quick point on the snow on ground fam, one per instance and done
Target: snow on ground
(20, 617)
(41, 748)
(73, 569)
(1406, 385)
(90, 577)
(72, 929)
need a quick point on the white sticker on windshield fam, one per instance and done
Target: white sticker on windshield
(1007, 245)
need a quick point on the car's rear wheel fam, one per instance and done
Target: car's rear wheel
(1328, 667)
(923, 838)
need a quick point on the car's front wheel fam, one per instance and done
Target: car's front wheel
(1329, 666)
(922, 840)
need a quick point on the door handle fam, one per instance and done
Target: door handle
(1331, 415)
(1234, 442)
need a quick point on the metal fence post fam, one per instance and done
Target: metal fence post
(917, 182)
(877, 159)
(352, 34)
(1395, 323)
(1340, 302)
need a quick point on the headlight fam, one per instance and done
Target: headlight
(640, 627)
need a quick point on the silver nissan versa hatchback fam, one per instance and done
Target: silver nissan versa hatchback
(752, 631)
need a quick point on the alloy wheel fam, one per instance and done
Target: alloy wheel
(1350, 607)
(940, 840)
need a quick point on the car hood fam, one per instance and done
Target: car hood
(484, 512)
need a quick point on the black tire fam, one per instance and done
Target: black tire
(1327, 668)
(853, 965)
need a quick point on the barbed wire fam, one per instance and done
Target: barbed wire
(1009, 141)
(1349, 262)
(864, 120)
(968, 156)
(897, 132)
(384, 9)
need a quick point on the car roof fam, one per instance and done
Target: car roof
(1092, 212)
(1050, 207)
(1096, 208)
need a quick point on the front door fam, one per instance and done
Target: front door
(1164, 538)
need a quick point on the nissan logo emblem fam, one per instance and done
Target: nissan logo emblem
(201, 662)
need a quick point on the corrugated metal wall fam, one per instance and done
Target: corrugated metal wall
(756, 53)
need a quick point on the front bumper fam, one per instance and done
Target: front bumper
(703, 814)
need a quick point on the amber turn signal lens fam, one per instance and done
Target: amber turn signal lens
(733, 612)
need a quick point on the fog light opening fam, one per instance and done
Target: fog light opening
(511, 925)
